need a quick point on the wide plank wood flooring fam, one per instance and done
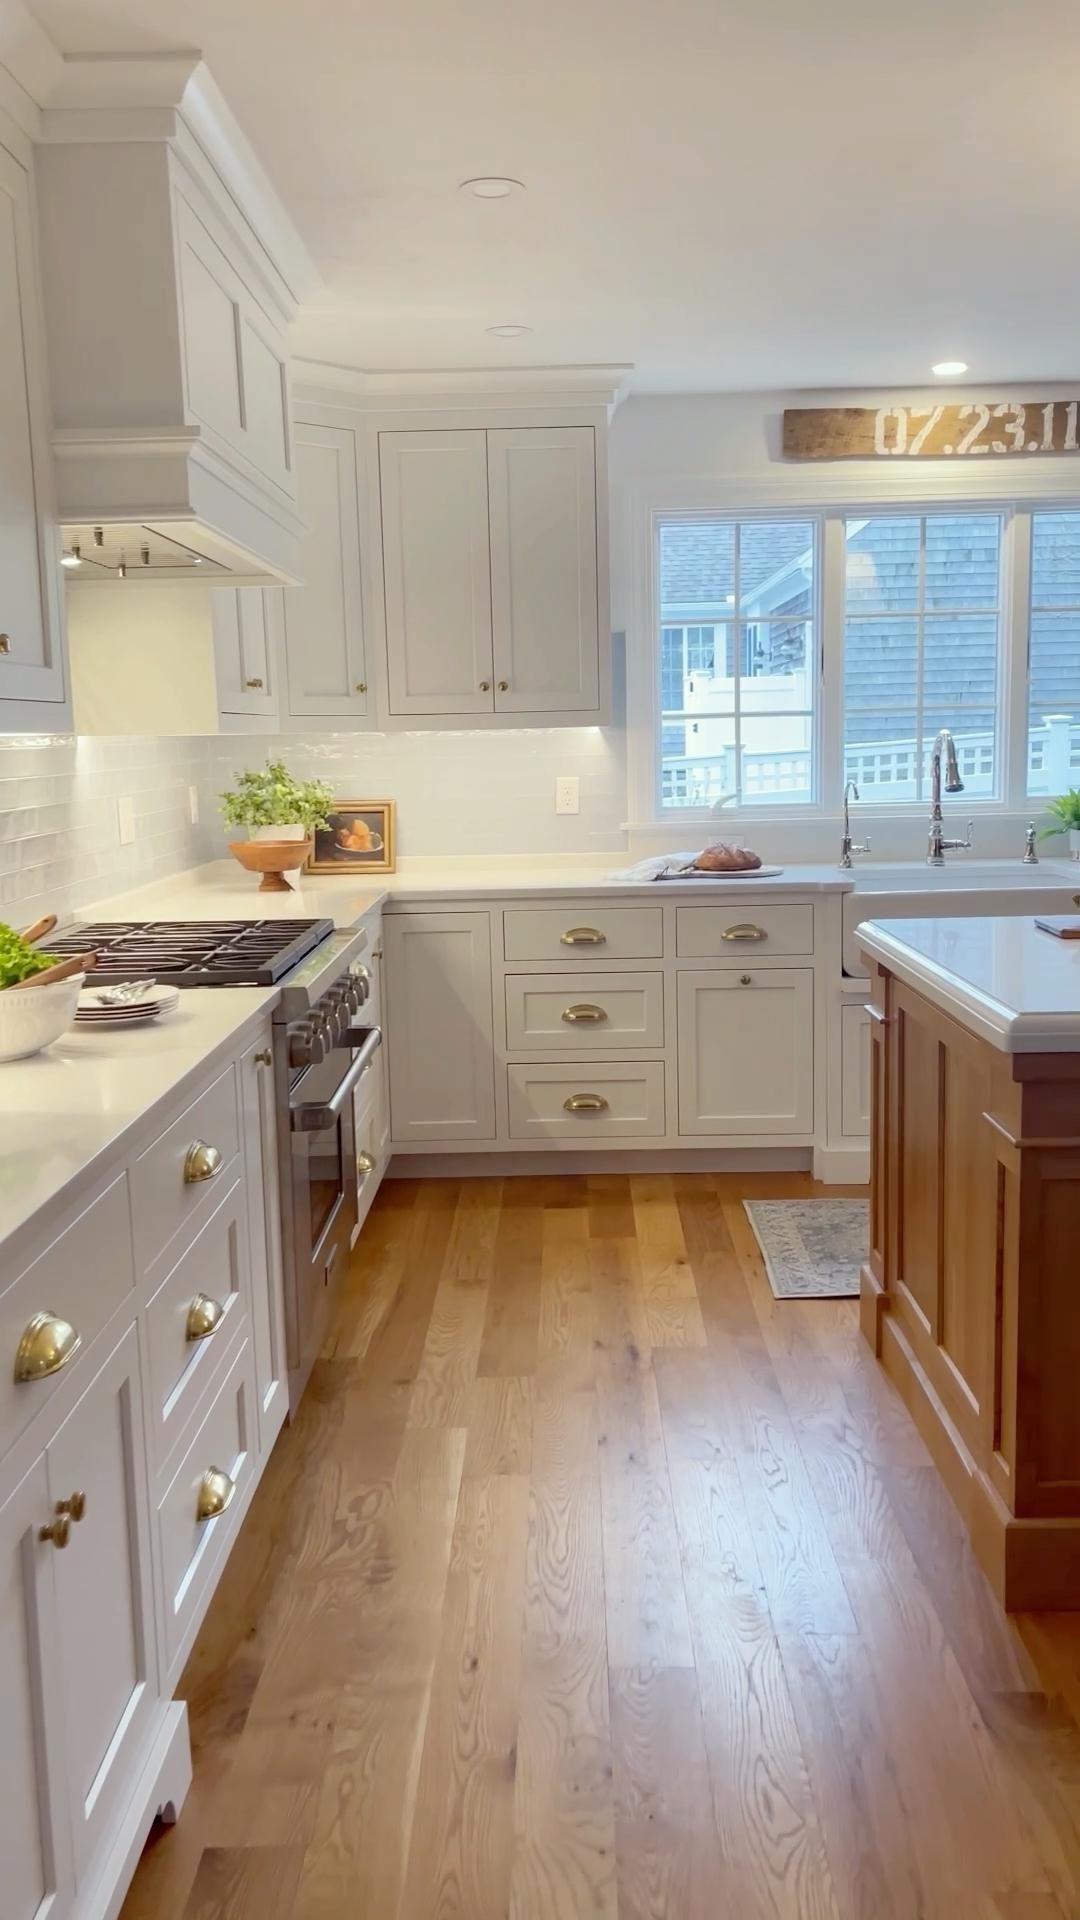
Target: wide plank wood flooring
(592, 1583)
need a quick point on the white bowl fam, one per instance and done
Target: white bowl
(33, 1017)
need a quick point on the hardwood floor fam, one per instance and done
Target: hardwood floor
(594, 1584)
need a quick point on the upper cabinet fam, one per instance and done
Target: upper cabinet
(31, 620)
(490, 550)
(323, 621)
(243, 622)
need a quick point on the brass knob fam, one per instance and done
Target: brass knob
(5, 643)
(216, 1490)
(585, 1103)
(74, 1507)
(201, 1162)
(264, 1057)
(204, 1317)
(504, 686)
(583, 937)
(58, 1531)
(47, 1344)
(745, 980)
(485, 686)
(253, 683)
(361, 686)
(365, 1164)
(583, 1012)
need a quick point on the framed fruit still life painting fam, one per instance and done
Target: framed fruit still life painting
(358, 839)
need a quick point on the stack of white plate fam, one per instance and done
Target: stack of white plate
(93, 1011)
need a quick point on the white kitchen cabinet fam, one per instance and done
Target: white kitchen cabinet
(31, 620)
(542, 506)
(855, 1071)
(244, 656)
(490, 558)
(323, 620)
(104, 1600)
(436, 571)
(35, 1842)
(442, 1064)
(746, 1051)
(259, 1122)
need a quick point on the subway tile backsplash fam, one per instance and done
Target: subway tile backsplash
(59, 837)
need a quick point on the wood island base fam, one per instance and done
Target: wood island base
(971, 1294)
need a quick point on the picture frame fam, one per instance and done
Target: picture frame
(339, 848)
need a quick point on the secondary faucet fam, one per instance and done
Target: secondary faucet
(938, 846)
(847, 844)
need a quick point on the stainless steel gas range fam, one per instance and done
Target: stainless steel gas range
(322, 1049)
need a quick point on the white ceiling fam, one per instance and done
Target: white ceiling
(727, 193)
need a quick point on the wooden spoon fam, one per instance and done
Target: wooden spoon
(78, 963)
(39, 929)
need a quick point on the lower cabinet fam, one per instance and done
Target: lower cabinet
(855, 1071)
(746, 1051)
(259, 1122)
(442, 1063)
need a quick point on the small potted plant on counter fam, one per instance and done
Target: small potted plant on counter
(1066, 811)
(278, 815)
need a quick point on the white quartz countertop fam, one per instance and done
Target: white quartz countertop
(1004, 979)
(498, 876)
(223, 891)
(67, 1109)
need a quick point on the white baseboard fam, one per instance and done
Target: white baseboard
(476, 1166)
(842, 1166)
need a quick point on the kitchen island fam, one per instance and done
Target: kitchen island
(970, 1294)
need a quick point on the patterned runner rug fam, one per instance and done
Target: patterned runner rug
(812, 1248)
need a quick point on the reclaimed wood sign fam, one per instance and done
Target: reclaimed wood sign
(961, 431)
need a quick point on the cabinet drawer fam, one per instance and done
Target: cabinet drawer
(192, 1317)
(81, 1278)
(191, 1550)
(582, 932)
(587, 1103)
(166, 1191)
(742, 931)
(584, 1012)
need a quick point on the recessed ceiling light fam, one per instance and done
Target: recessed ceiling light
(509, 332)
(945, 369)
(492, 186)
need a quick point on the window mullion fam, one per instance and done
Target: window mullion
(737, 664)
(920, 666)
(1016, 664)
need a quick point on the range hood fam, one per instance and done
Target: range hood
(171, 275)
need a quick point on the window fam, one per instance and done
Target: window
(921, 624)
(1054, 654)
(737, 663)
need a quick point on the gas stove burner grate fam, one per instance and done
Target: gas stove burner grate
(195, 953)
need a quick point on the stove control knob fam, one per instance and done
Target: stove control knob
(336, 1019)
(361, 979)
(353, 997)
(307, 1045)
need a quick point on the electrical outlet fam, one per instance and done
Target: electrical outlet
(566, 793)
(125, 820)
(193, 805)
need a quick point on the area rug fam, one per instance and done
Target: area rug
(812, 1248)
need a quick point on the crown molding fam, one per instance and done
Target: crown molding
(596, 386)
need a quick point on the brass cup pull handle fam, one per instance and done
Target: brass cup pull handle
(583, 1013)
(365, 1164)
(201, 1162)
(5, 643)
(585, 1103)
(582, 937)
(253, 683)
(58, 1531)
(74, 1507)
(204, 1317)
(216, 1490)
(744, 931)
(47, 1344)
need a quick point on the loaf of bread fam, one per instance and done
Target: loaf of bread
(722, 857)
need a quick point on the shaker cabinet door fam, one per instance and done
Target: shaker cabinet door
(542, 483)
(746, 1051)
(442, 1065)
(436, 571)
(246, 670)
(323, 620)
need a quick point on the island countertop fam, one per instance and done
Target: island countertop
(1004, 978)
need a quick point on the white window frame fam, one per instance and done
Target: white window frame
(826, 495)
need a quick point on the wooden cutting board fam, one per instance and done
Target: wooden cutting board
(1065, 926)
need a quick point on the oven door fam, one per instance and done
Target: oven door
(323, 1179)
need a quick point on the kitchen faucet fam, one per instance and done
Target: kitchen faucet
(938, 847)
(847, 845)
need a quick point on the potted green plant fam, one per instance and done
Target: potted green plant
(273, 808)
(1066, 811)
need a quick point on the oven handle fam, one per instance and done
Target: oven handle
(315, 1119)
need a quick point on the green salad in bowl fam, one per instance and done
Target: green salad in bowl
(18, 960)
